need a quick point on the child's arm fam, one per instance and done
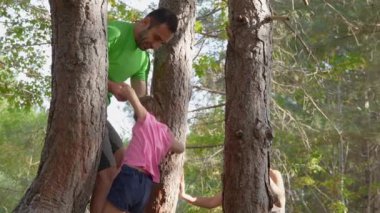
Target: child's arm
(177, 147)
(139, 109)
(203, 202)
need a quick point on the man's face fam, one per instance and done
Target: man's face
(153, 37)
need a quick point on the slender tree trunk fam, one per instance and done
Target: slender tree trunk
(341, 147)
(248, 131)
(77, 109)
(374, 192)
(371, 146)
(368, 176)
(171, 88)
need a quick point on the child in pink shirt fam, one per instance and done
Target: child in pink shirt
(151, 141)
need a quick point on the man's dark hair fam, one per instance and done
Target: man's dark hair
(164, 16)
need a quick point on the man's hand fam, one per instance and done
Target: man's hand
(118, 90)
(129, 94)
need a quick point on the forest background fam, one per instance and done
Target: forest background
(325, 108)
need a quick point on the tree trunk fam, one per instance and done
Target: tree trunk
(171, 88)
(248, 131)
(77, 110)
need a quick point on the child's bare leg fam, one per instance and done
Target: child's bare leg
(102, 186)
(109, 208)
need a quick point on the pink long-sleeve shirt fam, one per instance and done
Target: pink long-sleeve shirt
(151, 141)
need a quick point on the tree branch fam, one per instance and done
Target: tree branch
(209, 107)
(209, 90)
(212, 12)
(204, 146)
(301, 40)
(279, 18)
(214, 34)
(203, 41)
(350, 25)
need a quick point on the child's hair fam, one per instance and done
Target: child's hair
(151, 105)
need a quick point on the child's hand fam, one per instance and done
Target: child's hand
(127, 92)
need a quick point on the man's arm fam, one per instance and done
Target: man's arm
(139, 79)
(139, 86)
(117, 89)
(203, 202)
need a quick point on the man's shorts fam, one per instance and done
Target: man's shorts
(130, 190)
(111, 143)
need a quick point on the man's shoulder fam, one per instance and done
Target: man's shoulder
(120, 22)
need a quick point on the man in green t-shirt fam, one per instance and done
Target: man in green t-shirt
(127, 59)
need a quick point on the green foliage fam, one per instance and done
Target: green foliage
(22, 53)
(21, 140)
(202, 178)
(324, 109)
(305, 181)
(206, 64)
(212, 16)
(321, 94)
(204, 158)
(338, 207)
(118, 10)
(198, 27)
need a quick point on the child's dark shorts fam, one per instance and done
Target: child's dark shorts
(130, 190)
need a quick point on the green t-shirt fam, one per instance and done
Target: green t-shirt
(125, 59)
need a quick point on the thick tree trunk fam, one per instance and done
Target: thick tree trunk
(171, 88)
(77, 110)
(248, 83)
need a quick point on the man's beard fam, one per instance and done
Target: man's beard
(141, 40)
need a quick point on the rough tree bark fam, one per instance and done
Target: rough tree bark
(171, 88)
(77, 109)
(248, 131)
